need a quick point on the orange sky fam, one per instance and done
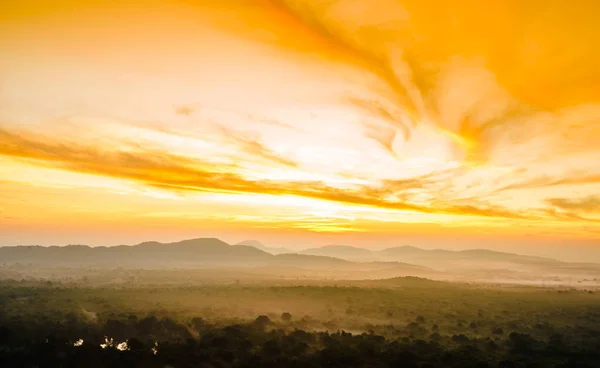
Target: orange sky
(301, 122)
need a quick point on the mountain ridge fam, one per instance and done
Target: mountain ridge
(405, 253)
(328, 262)
(190, 253)
(412, 251)
(261, 246)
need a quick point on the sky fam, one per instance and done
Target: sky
(302, 123)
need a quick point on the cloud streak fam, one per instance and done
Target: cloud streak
(589, 204)
(450, 87)
(254, 148)
(176, 173)
(395, 105)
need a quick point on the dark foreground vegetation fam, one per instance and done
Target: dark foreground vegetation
(405, 322)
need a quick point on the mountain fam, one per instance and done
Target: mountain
(202, 253)
(192, 252)
(402, 251)
(258, 245)
(471, 258)
(342, 251)
(440, 259)
(217, 259)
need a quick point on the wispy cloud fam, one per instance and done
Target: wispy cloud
(185, 110)
(398, 106)
(362, 44)
(587, 205)
(548, 181)
(385, 136)
(176, 173)
(378, 111)
(254, 148)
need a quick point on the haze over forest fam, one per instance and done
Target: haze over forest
(250, 260)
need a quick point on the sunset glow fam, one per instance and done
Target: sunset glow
(298, 120)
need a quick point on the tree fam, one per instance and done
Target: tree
(198, 323)
(461, 339)
(135, 344)
(286, 317)
(262, 320)
(521, 343)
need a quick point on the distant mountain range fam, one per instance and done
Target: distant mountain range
(437, 258)
(258, 245)
(332, 262)
(192, 253)
(408, 254)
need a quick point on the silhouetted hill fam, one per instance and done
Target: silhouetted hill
(214, 251)
(205, 251)
(252, 243)
(218, 259)
(400, 251)
(437, 257)
(193, 253)
(294, 259)
(456, 263)
(486, 253)
(207, 247)
(471, 258)
(258, 245)
(342, 251)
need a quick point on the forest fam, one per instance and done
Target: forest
(399, 322)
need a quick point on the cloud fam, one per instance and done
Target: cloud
(254, 148)
(548, 181)
(443, 74)
(389, 114)
(185, 110)
(176, 173)
(272, 122)
(586, 205)
(385, 136)
(568, 216)
(362, 44)
(498, 106)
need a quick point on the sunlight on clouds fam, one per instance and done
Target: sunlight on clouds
(27, 172)
(332, 116)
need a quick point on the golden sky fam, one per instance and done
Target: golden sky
(299, 121)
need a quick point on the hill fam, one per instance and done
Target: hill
(466, 259)
(436, 258)
(201, 253)
(258, 245)
(213, 259)
(343, 252)
(482, 265)
(192, 252)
